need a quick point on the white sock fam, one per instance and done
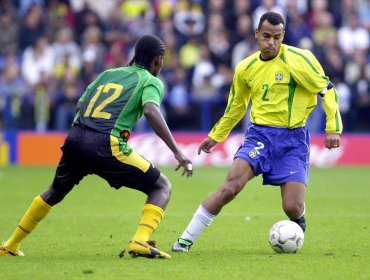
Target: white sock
(201, 220)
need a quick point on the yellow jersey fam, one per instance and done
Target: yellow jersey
(282, 92)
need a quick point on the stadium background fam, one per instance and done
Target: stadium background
(51, 49)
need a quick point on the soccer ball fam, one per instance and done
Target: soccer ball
(286, 237)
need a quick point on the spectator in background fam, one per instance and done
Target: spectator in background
(353, 37)
(133, 9)
(84, 19)
(357, 68)
(38, 62)
(69, 92)
(25, 5)
(90, 69)
(67, 53)
(9, 33)
(164, 8)
(204, 69)
(266, 6)
(15, 104)
(141, 25)
(239, 9)
(245, 43)
(242, 31)
(59, 16)
(222, 80)
(323, 27)
(166, 27)
(296, 29)
(331, 56)
(32, 27)
(362, 102)
(347, 8)
(177, 102)
(7, 7)
(171, 59)
(44, 93)
(300, 7)
(357, 74)
(189, 53)
(115, 56)
(115, 29)
(189, 21)
(345, 103)
(218, 39)
(217, 7)
(364, 13)
(318, 8)
(92, 47)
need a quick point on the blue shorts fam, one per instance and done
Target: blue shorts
(280, 154)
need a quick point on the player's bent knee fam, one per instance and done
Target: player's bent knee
(293, 210)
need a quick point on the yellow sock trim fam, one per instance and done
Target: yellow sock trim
(34, 214)
(150, 219)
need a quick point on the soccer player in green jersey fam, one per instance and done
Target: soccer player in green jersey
(281, 83)
(97, 144)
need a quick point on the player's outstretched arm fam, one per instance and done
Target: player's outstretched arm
(206, 145)
(159, 126)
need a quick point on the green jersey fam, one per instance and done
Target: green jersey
(114, 102)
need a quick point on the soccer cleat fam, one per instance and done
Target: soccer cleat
(4, 252)
(182, 245)
(146, 249)
(301, 222)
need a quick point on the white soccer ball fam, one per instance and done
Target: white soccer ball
(286, 237)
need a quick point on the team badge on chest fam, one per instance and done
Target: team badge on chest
(279, 76)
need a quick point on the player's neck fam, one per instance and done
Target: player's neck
(267, 59)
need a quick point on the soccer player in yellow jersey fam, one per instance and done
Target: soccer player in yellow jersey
(97, 144)
(282, 84)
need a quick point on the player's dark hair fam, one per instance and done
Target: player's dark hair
(271, 17)
(146, 49)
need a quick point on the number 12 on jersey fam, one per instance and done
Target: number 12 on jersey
(98, 111)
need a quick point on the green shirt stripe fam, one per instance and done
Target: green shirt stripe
(292, 86)
(305, 58)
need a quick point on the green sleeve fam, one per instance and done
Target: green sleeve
(153, 93)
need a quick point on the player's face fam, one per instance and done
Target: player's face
(269, 39)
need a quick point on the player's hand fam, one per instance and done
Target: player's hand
(332, 140)
(206, 145)
(185, 163)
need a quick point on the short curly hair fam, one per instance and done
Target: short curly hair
(271, 17)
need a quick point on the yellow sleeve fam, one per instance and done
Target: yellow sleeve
(236, 108)
(331, 108)
(307, 71)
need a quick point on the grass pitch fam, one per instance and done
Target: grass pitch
(82, 237)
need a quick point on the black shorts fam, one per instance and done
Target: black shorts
(86, 151)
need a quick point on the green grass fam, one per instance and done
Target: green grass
(82, 237)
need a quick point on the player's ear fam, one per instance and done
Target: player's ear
(157, 60)
(256, 33)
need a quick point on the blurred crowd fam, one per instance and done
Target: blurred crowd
(50, 50)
